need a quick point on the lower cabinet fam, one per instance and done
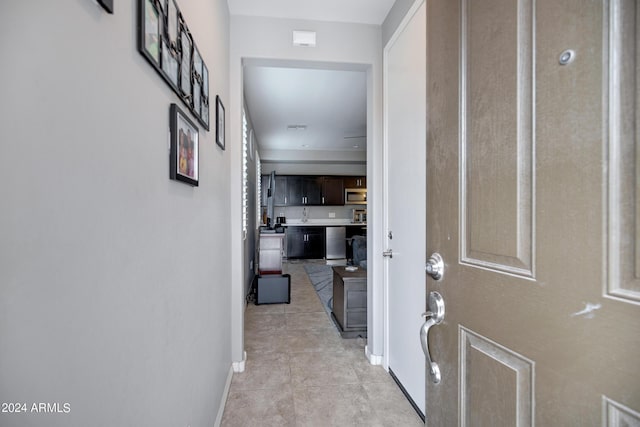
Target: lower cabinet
(305, 242)
(350, 301)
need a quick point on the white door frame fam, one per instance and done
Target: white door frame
(365, 57)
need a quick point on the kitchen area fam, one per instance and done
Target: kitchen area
(305, 147)
(318, 216)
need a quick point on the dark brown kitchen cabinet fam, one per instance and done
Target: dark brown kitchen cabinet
(305, 242)
(333, 191)
(355, 182)
(304, 190)
(281, 191)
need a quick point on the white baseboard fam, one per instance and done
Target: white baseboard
(239, 366)
(223, 400)
(373, 359)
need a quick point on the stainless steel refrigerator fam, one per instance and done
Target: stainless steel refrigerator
(336, 243)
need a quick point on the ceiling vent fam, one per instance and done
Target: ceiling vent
(304, 38)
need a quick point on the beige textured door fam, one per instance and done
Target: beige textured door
(533, 187)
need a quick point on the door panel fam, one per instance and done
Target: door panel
(496, 138)
(624, 153)
(532, 179)
(508, 398)
(312, 190)
(333, 191)
(280, 196)
(405, 202)
(295, 195)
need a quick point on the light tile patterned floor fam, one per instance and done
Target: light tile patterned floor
(300, 372)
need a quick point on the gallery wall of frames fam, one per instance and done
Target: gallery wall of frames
(165, 41)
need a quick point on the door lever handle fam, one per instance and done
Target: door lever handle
(388, 253)
(433, 317)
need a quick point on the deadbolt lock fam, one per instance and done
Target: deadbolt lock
(435, 266)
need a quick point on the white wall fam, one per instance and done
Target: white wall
(337, 43)
(314, 168)
(114, 280)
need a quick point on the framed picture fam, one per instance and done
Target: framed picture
(219, 122)
(149, 35)
(185, 66)
(167, 44)
(172, 23)
(197, 78)
(205, 81)
(204, 113)
(184, 154)
(169, 64)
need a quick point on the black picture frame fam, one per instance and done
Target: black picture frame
(196, 80)
(165, 41)
(170, 65)
(205, 81)
(220, 123)
(149, 25)
(185, 65)
(205, 110)
(184, 155)
(173, 23)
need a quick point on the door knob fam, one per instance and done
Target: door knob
(433, 317)
(435, 266)
(388, 253)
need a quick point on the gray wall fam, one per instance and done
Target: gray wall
(114, 280)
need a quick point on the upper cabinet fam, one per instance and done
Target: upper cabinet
(281, 190)
(310, 190)
(355, 182)
(333, 191)
(304, 190)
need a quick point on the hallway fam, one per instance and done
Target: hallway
(300, 372)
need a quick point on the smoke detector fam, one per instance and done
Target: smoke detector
(304, 38)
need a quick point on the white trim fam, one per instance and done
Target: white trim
(239, 366)
(223, 399)
(374, 359)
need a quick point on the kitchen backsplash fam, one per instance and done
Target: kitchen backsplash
(316, 212)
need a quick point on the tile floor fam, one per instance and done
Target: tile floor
(300, 372)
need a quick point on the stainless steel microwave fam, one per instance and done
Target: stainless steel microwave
(355, 196)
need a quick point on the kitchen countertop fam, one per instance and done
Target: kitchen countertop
(322, 222)
(271, 233)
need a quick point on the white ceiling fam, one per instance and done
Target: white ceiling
(327, 108)
(360, 11)
(330, 103)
